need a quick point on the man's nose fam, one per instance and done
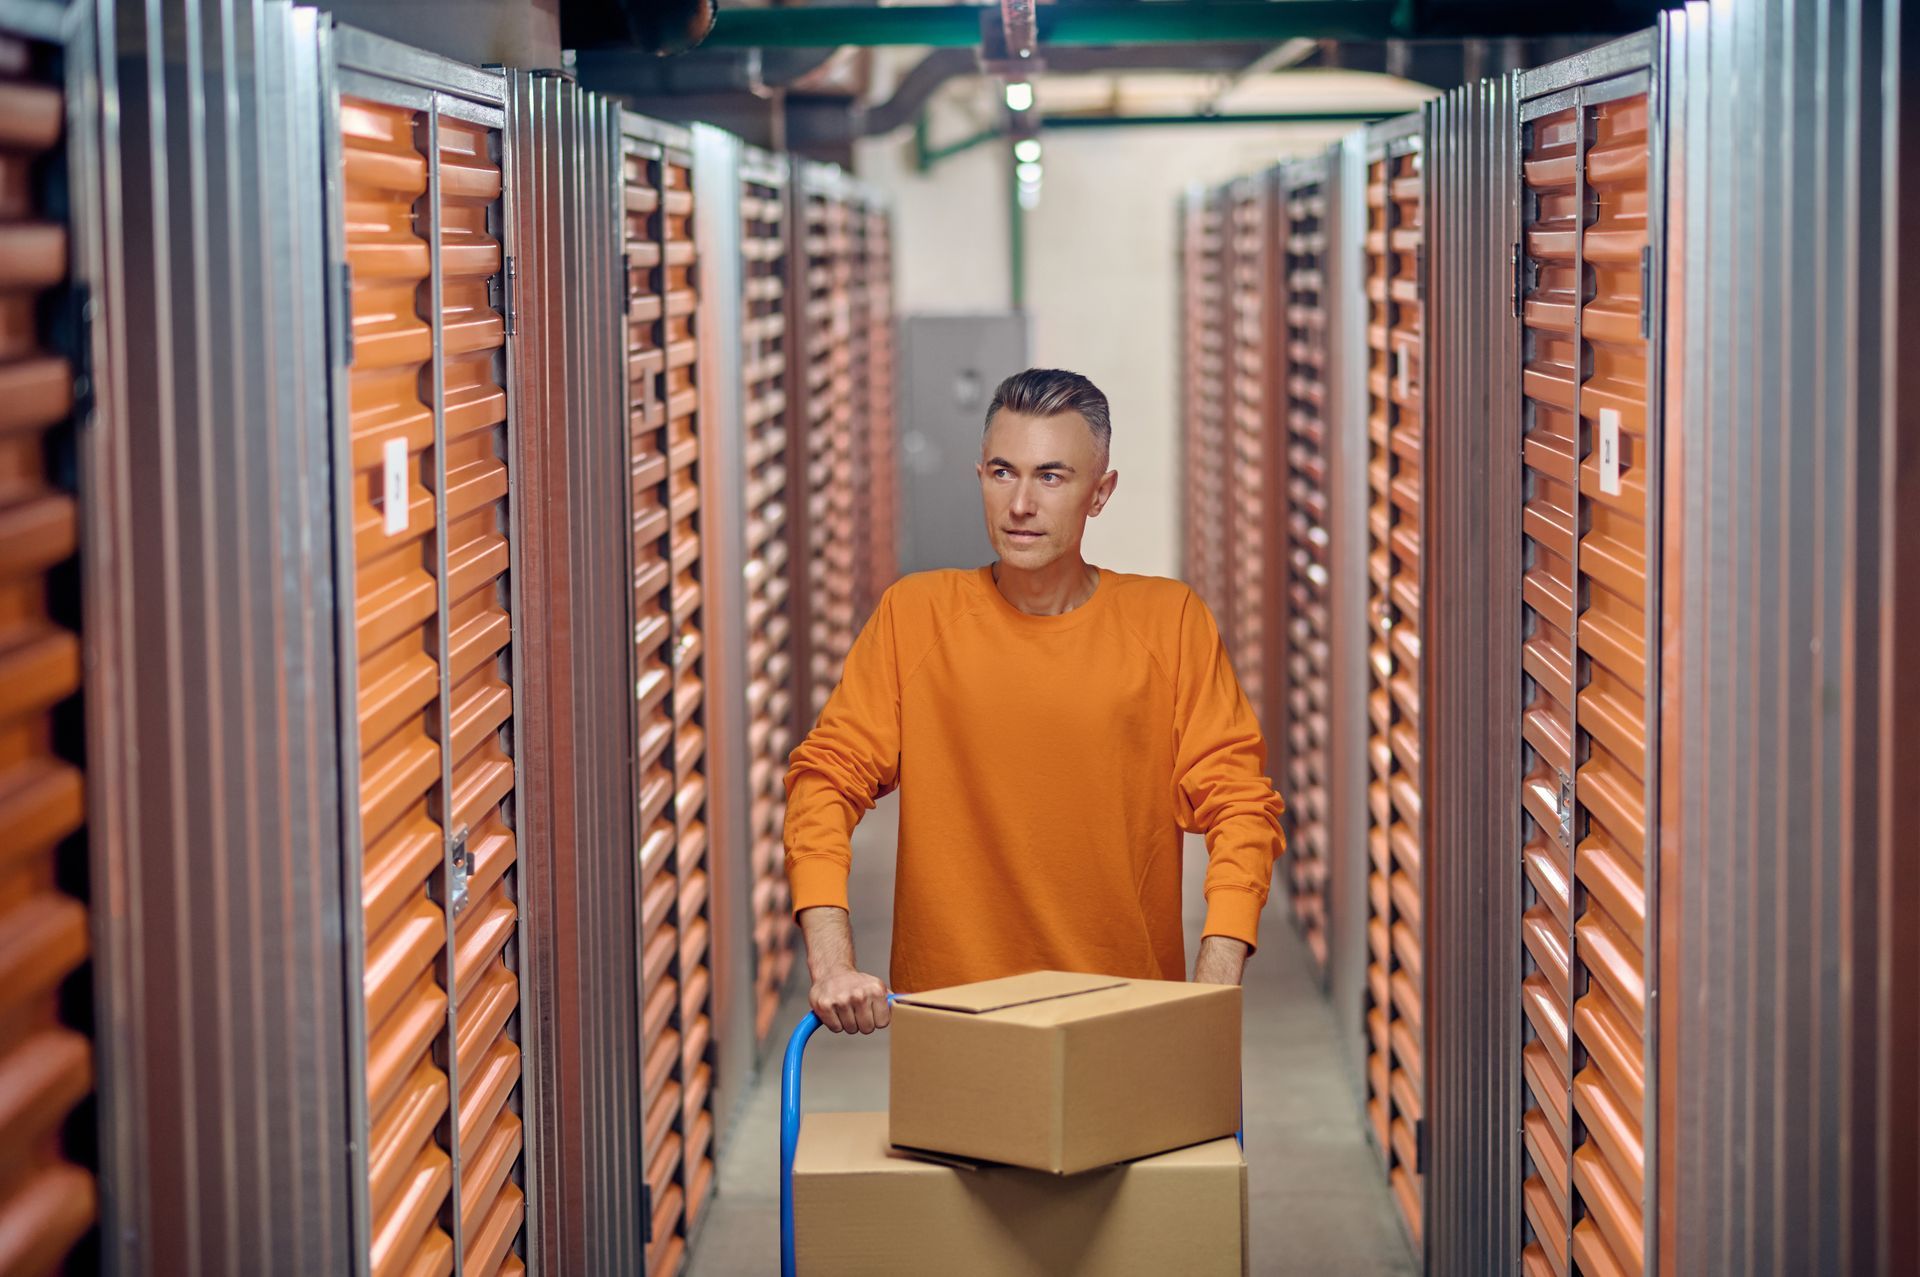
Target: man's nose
(1023, 500)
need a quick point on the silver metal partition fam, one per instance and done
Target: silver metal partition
(1472, 682)
(717, 159)
(223, 990)
(1346, 790)
(578, 891)
(1788, 1115)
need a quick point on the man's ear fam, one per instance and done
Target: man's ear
(1103, 492)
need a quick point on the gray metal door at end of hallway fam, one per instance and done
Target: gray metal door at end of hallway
(950, 365)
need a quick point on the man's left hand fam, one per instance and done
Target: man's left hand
(1222, 960)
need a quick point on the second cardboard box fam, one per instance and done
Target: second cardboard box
(1062, 1072)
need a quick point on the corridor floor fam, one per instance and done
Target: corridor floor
(1317, 1198)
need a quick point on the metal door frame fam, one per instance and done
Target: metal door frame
(1623, 68)
(359, 64)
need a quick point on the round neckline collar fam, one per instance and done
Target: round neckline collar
(1102, 587)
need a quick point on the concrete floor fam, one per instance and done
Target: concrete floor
(1318, 1200)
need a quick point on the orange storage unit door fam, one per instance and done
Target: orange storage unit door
(426, 487)
(1590, 430)
(1207, 485)
(770, 666)
(48, 1197)
(880, 553)
(669, 602)
(1396, 1072)
(1305, 438)
(1252, 461)
(824, 319)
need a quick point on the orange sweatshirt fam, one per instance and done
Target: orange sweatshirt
(1047, 766)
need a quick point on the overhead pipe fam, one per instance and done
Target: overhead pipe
(1103, 22)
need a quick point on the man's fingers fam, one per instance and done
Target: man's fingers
(827, 1015)
(863, 1014)
(882, 1010)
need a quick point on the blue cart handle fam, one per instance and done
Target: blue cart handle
(790, 1130)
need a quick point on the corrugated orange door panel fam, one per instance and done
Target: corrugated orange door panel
(769, 662)
(1213, 440)
(880, 484)
(1249, 273)
(859, 441)
(1549, 382)
(828, 324)
(669, 650)
(48, 1198)
(1396, 489)
(652, 451)
(397, 626)
(1307, 548)
(1612, 730)
(479, 674)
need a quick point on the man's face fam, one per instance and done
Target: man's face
(1041, 479)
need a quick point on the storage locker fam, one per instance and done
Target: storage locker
(1303, 749)
(1255, 502)
(669, 623)
(49, 1200)
(1204, 303)
(424, 446)
(838, 418)
(822, 329)
(880, 488)
(771, 673)
(1395, 280)
(1590, 428)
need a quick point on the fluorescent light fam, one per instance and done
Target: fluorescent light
(1019, 96)
(1029, 198)
(1029, 174)
(1027, 150)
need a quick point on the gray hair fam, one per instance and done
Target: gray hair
(1049, 392)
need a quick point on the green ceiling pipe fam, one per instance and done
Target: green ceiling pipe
(958, 26)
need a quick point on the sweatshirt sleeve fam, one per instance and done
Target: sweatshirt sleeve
(1220, 786)
(849, 759)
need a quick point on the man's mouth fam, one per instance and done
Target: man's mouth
(1024, 536)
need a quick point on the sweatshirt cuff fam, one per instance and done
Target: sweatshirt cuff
(816, 881)
(1233, 913)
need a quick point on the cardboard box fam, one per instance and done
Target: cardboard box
(1064, 1073)
(862, 1209)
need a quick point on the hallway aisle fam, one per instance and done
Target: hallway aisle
(1318, 1202)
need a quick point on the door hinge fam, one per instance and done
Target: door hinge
(346, 313)
(1519, 272)
(462, 871)
(502, 294)
(1420, 268)
(79, 322)
(1420, 1146)
(1646, 290)
(646, 1214)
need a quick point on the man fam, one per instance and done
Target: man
(1052, 728)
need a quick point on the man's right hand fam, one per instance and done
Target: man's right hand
(846, 999)
(851, 1002)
